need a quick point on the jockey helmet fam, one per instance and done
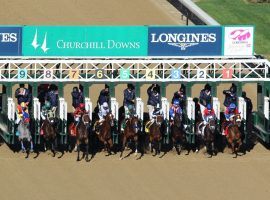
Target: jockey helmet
(232, 106)
(47, 104)
(81, 105)
(207, 87)
(209, 106)
(130, 86)
(130, 107)
(176, 102)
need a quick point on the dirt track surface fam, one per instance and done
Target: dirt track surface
(152, 178)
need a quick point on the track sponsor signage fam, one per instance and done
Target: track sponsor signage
(85, 41)
(10, 41)
(238, 40)
(185, 41)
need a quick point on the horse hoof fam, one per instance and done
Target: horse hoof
(197, 151)
(23, 150)
(121, 158)
(31, 150)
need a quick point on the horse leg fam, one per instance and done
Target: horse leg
(136, 146)
(78, 151)
(109, 146)
(123, 147)
(159, 146)
(87, 151)
(53, 147)
(22, 146)
(31, 146)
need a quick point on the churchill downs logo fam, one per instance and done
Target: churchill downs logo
(183, 40)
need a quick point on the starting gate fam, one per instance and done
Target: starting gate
(36, 113)
(115, 109)
(190, 130)
(63, 120)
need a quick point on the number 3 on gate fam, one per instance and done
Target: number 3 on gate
(22, 74)
(176, 74)
(150, 74)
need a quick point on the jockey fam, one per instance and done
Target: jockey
(129, 100)
(104, 110)
(77, 97)
(22, 113)
(230, 96)
(23, 95)
(208, 112)
(175, 108)
(181, 96)
(231, 111)
(205, 97)
(45, 109)
(79, 111)
(154, 99)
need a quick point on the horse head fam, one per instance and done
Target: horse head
(212, 123)
(86, 119)
(237, 120)
(110, 119)
(159, 119)
(177, 119)
(134, 122)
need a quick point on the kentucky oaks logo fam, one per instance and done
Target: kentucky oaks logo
(240, 35)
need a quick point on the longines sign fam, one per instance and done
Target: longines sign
(85, 41)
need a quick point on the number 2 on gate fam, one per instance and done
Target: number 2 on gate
(201, 73)
(150, 74)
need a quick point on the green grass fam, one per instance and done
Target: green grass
(230, 12)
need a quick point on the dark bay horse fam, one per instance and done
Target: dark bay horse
(49, 127)
(177, 132)
(207, 135)
(104, 133)
(155, 134)
(233, 134)
(131, 132)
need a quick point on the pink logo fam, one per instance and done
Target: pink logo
(240, 35)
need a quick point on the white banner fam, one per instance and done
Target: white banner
(238, 41)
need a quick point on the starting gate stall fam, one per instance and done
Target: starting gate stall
(216, 107)
(165, 110)
(88, 107)
(36, 113)
(8, 128)
(114, 110)
(140, 110)
(190, 122)
(63, 120)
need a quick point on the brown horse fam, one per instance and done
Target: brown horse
(49, 134)
(178, 134)
(234, 134)
(131, 132)
(82, 136)
(104, 132)
(155, 135)
(208, 136)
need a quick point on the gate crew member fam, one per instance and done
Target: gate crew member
(77, 97)
(181, 96)
(104, 97)
(205, 97)
(154, 99)
(52, 97)
(129, 100)
(23, 95)
(230, 96)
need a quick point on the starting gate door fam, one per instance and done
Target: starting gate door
(190, 120)
(140, 110)
(115, 109)
(36, 112)
(63, 120)
(9, 131)
(242, 107)
(216, 107)
(88, 107)
(165, 110)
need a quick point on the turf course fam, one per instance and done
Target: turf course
(228, 12)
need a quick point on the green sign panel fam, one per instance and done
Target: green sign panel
(85, 41)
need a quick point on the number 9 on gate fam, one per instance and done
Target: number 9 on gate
(22, 74)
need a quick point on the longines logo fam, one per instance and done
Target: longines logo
(44, 44)
(183, 40)
(8, 37)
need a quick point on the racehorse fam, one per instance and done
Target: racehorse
(131, 132)
(49, 133)
(178, 134)
(208, 136)
(24, 136)
(104, 133)
(233, 133)
(155, 135)
(82, 136)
